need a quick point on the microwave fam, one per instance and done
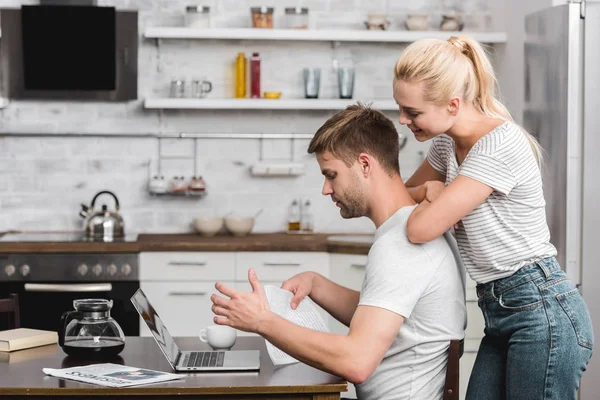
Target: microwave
(62, 52)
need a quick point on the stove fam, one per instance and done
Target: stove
(47, 283)
(51, 236)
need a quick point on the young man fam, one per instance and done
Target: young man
(412, 302)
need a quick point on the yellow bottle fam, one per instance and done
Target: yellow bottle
(240, 76)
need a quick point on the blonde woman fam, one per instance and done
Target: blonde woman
(482, 176)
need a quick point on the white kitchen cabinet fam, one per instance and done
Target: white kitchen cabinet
(184, 307)
(187, 266)
(277, 266)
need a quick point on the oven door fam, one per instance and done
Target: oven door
(42, 303)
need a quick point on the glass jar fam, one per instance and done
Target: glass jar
(158, 184)
(296, 17)
(197, 17)
(178, 185)
(262, 17)
(197, 184)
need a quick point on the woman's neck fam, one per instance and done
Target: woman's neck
(470, 127)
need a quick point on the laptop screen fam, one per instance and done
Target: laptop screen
(159, 331)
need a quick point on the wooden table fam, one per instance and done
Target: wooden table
(21, 376)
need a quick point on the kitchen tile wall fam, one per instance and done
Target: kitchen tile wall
(44, 179)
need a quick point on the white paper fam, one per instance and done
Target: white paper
(306, 315)
(113, 375)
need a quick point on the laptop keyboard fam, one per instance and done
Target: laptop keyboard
(204, 359)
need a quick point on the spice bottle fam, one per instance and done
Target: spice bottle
(294, 217)
(240, 76)
(306, 220)
(255, 76)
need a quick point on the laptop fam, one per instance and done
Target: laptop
(233, 360)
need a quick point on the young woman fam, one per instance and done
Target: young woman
(482, 176)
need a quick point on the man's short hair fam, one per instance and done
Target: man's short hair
(359, 129)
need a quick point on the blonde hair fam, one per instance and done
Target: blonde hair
(457, 66)
(359, 129)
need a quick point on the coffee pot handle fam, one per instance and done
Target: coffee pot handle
(64, 321)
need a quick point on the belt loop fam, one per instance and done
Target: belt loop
(544, 268)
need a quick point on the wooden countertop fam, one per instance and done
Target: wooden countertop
(191, 242)
(21, 375)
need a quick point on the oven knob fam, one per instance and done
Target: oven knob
(9, 269)
(126, 269)
(112, 269)
(97, 269)
(25, 269)
(82, 269)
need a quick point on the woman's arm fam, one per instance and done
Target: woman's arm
(430, 220)
(424, 173)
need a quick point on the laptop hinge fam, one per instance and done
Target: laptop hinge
(177, 358)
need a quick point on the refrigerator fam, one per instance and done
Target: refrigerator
(562, 110)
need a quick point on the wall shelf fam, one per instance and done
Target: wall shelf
(263, 104)
(314, 35)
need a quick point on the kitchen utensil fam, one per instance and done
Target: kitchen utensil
(312, 82)
(89, 332)
(208, 226)
(451, 23)
(346, 82)
(417, 22)
(197, 17)
(177, 88)
(296, 17)
(239, 226)
(272, 95)
(104, 224)
(219, 337)
(201, 87)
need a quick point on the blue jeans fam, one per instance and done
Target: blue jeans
(538, 336)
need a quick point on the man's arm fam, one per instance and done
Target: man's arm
(339, 301)
(353, 357)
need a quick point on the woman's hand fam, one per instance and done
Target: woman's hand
(433, 189)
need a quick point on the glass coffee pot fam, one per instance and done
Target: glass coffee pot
(89, 331)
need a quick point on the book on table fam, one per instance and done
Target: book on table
(25, 338)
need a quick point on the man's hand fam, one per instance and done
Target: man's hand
(243, 311)
(433, 189)
(301, 285)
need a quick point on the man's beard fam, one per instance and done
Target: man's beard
(354, 203)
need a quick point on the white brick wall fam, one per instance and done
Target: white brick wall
(43, 180)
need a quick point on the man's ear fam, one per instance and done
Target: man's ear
(365, 162)
(454, 106)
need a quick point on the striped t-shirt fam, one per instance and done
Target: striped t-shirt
(508, 230)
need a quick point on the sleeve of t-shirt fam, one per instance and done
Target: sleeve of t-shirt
(396, 278)
(438, 154)
(489, 170)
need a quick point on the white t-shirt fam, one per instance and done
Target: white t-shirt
(509, 229)
(424, 283)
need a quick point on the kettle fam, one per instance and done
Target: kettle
(103, 224)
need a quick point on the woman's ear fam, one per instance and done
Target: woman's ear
(454, 106)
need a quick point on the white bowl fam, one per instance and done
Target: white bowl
(208, 226)
(239, 226)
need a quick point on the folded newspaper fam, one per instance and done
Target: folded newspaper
(113, 375)
(306, 315)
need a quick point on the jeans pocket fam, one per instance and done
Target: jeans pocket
(576, 309)
(523, 297)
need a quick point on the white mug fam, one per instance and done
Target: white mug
(219, 337)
